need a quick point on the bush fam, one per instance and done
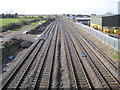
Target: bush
(11, 26)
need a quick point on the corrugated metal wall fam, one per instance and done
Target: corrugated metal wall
(112, 21)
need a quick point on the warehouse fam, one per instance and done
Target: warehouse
(102, 22)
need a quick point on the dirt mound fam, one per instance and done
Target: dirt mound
(40, 28)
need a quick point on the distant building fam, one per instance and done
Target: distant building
(84, 19)
(119, 7)
(101, 21)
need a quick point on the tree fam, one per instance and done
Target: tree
(16, 15)
(3, 15)
(93, 14)
(9, 15)
(12, 16)
(41, 17)
(68, 15)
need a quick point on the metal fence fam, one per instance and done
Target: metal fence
(113, 42)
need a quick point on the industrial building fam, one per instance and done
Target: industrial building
(84, 19)
(101, 21)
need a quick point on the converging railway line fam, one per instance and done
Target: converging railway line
(63, 58)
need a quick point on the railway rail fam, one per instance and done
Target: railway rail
(63, 58)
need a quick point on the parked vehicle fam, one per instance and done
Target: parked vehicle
(95, 26)
(106, 30)
(116, 31)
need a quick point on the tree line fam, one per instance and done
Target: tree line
(9, 15)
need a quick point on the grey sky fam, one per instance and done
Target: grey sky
(59, 6)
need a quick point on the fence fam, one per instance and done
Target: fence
(113, 42)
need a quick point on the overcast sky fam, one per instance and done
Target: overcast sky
(59, 6)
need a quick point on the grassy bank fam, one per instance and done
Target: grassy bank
(29, 27)
(10, 48)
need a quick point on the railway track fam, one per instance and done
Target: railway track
(79, 74)
(40, 63)
(14, 79)
(103, 56)
(43, 76)
(62, 58)
(109, 79)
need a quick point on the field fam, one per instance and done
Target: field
(11, 20)
(7, 21)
